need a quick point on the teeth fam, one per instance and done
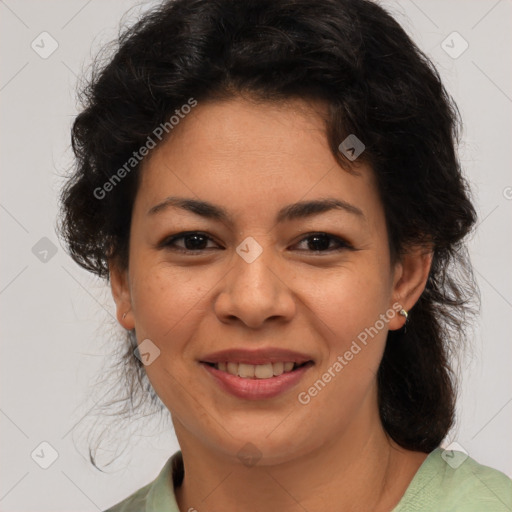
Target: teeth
(258, 371)
(278, 368)
(233, 368)
(288, 367)
(246, 370)
(263, 371)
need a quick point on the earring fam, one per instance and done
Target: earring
(124, 315)
(404, 313)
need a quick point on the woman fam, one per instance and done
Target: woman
(273, 192)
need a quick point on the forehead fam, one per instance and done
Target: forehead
(248, 153)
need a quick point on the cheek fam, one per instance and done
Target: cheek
(348, 309)
(167, 305)
(347, 300)
(164, 301)
(348, 315)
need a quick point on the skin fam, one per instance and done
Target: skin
(253, 159)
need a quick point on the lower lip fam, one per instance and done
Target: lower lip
(256, 389)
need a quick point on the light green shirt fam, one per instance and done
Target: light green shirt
(457, 484)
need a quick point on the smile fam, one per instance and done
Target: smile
(256, 371)
(256, 381)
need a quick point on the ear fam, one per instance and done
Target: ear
(410, 278)
(120, 287)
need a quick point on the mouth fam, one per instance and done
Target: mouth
(256, 376)
(257, 371)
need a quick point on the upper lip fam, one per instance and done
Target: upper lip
(256, 356)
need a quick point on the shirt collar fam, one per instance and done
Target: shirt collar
(161, 494)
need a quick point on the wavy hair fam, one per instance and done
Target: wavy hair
(353, 56)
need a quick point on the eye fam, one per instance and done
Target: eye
(190, 241)
(323, 242)
(196, 242)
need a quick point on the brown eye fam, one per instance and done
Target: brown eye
(323, 242)
(189, 242)
(195, 242)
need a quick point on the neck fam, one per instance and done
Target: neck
(358, 471)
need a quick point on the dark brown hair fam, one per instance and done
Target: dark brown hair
(353, 56)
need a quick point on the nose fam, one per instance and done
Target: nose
(255, 293)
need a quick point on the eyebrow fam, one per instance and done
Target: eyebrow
(294, 211)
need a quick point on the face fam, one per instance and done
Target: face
(249, 283)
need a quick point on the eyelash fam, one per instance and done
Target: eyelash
(168, 242)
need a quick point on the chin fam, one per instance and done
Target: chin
(266, 444)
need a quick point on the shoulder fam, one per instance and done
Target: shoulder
(451, 481)
(157, 495)
(136, 502)
(478, 486)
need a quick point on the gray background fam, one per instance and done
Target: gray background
(56, 320)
